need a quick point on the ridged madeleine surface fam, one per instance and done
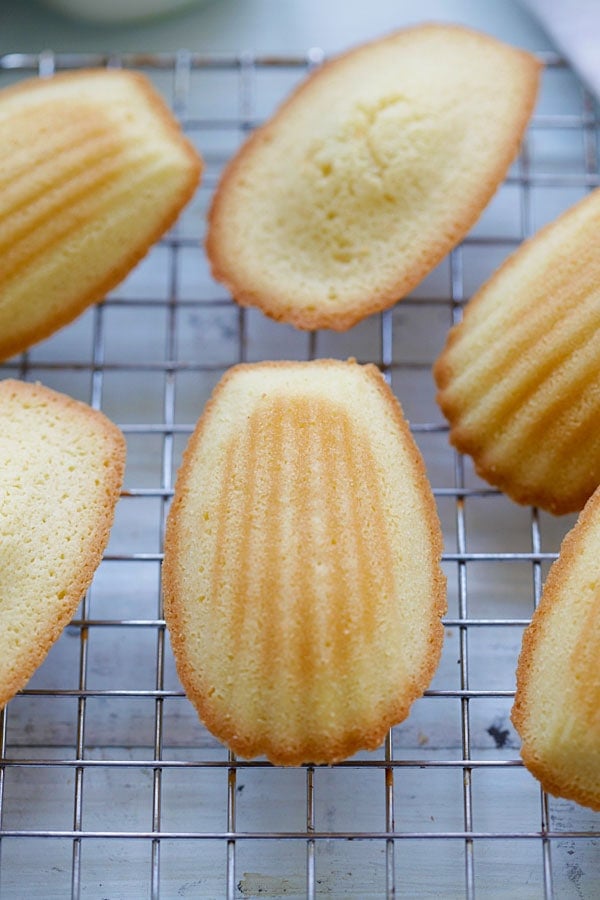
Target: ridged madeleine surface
(369, 174)
(302, 581)
(61, 468)
(519, 378)
(557, 704)
(93, 170)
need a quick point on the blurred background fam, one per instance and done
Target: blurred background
(259, 25)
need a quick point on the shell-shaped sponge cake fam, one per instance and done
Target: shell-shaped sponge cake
(302, 580)
(557, 704)
(93, 170)
(369, 174)
(519, 377)
(61, 468)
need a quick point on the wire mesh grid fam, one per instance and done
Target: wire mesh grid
(109, 785)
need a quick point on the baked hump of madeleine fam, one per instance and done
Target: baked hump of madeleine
(61, 469)
(519, 377)
(302, 580)
(557, 704)
(93, 170)
(369, 174)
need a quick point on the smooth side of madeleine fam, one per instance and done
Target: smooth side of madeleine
(369, 174)
(61, 470)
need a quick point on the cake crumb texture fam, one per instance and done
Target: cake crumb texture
(369, 174)
(557, 704)
(519, 377)
(93, 170)
(302, 581)
(61, 469)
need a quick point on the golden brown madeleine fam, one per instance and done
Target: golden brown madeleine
(302, 580)
(61, 469)
(93, 170)
(519, 377)
(557, 704)
(369, 174)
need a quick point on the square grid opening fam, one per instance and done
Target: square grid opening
(109, 784)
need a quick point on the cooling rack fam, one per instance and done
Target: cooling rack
(109, 785)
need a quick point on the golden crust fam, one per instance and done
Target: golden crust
(579, 692)
(279, 301)
(143, 230)
(542, 302)
(280, 747)
(82, 424)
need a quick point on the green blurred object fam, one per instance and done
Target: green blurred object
(115, 11)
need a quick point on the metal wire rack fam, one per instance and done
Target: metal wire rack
(109, 785)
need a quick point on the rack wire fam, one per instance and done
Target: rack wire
(109, 785)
